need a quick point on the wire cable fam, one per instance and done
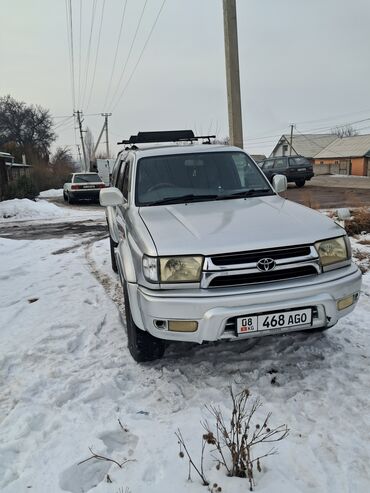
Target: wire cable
(69, 21)
(97, 54)
(66, 120)
(89, 51)
(129, 53)
(79, 57)
(115, 54)
(141, 54)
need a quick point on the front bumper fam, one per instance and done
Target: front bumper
(214, 309)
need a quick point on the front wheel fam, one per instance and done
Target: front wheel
(142, 345)
(300, 183)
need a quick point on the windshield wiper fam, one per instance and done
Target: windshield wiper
(245, 193)
(191, 197)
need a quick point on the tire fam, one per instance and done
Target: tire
(142, 345)
(300, 183)
(64, 196)
(113, 245)
(70, 200)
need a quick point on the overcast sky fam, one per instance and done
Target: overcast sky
(302, 61)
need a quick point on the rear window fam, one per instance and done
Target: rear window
(298, 161)
(90, 178)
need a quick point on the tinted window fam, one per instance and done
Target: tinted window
(268, 164)
(280, 163)
(115, 173)
(88, 178)
(119, 182)
(125, 184)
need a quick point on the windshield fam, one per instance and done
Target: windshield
(186, 178)
(88, 178)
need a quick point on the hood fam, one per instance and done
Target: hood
(209, 228)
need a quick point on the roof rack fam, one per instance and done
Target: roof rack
(165, 136)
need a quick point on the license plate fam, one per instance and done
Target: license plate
(274, 321)
(301, 169)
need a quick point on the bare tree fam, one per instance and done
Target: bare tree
(344, 131)
(25, 129)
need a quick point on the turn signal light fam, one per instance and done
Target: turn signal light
(345, 302)
(182, 325)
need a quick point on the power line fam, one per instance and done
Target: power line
(129, 52)
(115, 54)
(63, 122)
(142, 53)
(89, 51)
(97, 53)
(79, 55)
(335, 117)
(69, 21)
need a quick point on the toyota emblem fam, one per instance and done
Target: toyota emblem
(266, 264)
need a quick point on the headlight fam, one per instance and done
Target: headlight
(180, 269)
(332, 251)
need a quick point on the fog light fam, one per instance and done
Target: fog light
(345, 302)
(182, 325)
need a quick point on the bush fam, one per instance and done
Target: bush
(22, 188)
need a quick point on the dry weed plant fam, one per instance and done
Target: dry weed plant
(359, 223)
(234, 440)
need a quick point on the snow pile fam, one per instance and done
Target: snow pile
(25, 209)
(53, 192)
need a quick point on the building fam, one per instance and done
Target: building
(258, 157)
(307, 145)
(329, 153)
(349, 154)
(10, 171)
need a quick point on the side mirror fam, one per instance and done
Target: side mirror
(279, 182)
(110, 196)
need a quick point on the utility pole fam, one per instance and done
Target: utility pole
(106, 116)
(104, 128)
(232, 73)
(79, 116)
(291, 139)
(79, 153)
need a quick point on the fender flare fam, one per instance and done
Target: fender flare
(112, 224)
(125, 262)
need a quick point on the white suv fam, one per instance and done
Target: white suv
(80, 186)
(206, 249)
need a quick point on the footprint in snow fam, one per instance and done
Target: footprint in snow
(119, 445)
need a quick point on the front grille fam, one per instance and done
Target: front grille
(256, 277)
(256, 255)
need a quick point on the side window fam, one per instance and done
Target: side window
(125, 184)
(268, 164)
(115, 174)
(279, 163)
(69, 179)
(119, 180)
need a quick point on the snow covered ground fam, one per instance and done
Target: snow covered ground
(66, 378)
